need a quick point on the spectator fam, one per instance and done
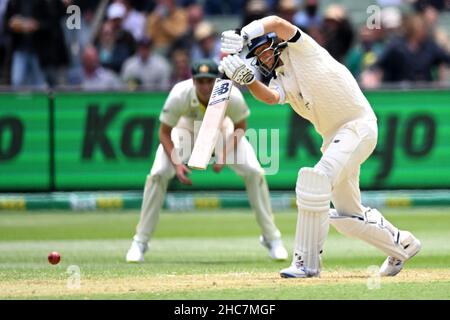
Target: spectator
(365, 53)
(181, 66)
(119, 45)
(391, 22)
(165, 24)
(337, 32)
(24, 21)
(309, 17)
(195, 17)
(431, 17)
(287, 10)
(55, 56)
(134, 21)
(94, 76)
(410, 58)
(253, 10)
(78, 39)
(207, 45)
(105, 44)
(220, 7)
(146, 69)
(3, 43)
(439, 5)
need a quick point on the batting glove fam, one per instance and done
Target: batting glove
(236, 69)
(231, 42)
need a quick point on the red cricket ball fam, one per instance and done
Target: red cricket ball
(54, 257)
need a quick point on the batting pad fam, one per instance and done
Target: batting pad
(313, 192)
(372, 228)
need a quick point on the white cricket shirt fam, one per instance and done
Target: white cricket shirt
(319, 88)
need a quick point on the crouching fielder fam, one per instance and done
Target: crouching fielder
(185, 105)
(323, 91)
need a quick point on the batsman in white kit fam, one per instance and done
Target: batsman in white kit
(186, 105)
(323, 91)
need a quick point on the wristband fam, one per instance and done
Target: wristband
(253, 30)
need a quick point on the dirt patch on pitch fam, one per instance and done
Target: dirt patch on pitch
(178, 283)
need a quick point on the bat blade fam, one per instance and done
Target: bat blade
(210, 127)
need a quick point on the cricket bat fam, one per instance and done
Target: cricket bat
(210, 127)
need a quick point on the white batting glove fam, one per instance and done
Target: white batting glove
(236, 69)
(231, 42)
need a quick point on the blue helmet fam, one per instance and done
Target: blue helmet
(259, 41)
(275, 45)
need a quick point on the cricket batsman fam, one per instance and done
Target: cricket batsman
(186, 105)
(323, 91)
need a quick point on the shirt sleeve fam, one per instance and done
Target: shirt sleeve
(303, 44)
(237, 109)
(172, 110)
(276, 85)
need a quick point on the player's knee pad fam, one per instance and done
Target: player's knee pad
(313, 190)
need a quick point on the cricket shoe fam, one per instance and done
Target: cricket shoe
(298, 270)
(136, 252)
(275, 247)
(392, 266)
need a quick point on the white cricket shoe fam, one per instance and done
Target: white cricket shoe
(294, 272)
(392, 266)
(136, 252)
(298, 270)
(275, 247)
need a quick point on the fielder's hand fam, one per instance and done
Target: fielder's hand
(231, 42)
(181, 172)
(236, 69)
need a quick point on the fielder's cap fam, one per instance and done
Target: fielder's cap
(206, 68)
(259, 41)
(116, 10)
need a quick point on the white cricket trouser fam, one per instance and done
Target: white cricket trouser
(341, 161)
(247, 167)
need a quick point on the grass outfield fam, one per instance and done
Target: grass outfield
(207, 255)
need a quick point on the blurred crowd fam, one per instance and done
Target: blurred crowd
(149, 44)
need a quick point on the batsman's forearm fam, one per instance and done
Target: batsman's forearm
(263, 93)
(283, 28)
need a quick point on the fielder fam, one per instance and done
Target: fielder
(323, 91)
(184, 106)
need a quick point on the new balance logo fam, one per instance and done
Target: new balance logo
(222, 89)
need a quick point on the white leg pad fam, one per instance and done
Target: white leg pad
(372, 228)
(313, 192)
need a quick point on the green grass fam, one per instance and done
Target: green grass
(206, 255)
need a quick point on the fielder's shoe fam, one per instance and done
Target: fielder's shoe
(136, 252)
(392, 266)
(275, 247)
